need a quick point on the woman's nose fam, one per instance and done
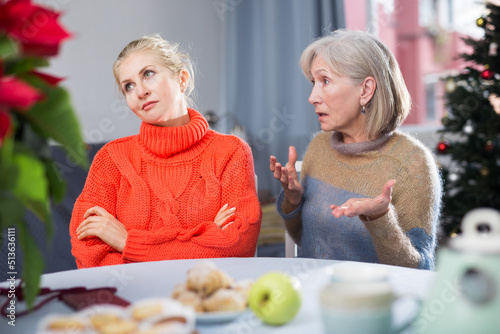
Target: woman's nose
(314, 97)
(142, 91)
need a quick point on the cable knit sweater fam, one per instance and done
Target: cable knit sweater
(333, 172)
(166, 185)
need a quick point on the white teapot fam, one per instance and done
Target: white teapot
(465, 297)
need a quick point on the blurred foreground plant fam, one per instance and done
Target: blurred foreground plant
(33, 111)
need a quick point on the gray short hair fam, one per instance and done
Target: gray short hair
(173, 58)
(357, 55)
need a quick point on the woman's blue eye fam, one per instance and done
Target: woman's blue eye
(325, 81)
(148, 74)
(128, 87)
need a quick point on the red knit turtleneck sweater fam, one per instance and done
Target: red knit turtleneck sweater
(166, 185)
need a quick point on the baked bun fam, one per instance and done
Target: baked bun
(205, 278)
(224, 300)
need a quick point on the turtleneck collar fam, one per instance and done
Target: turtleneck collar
(358, 148)
(166, 141)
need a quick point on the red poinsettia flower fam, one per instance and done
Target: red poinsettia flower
(5, 124)
(50, 79)
(15, 93)
(35, 27)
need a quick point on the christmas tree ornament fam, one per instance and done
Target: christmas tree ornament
(493, 49)
(484, 171)
(443, 146)
(450, 86)
(453, 177)
(468, 128)
(489, 146)
(481, 22)
(487, 73)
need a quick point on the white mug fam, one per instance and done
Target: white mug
(358, 300)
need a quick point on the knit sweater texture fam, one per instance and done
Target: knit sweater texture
(333, 172)
(166, 185)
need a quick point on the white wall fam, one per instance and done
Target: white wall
(101, 28)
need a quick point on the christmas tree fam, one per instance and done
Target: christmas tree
(470, 143)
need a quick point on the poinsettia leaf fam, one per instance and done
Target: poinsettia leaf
(8, 170)
(24, 65)
(33, 265)
(57, 186)
(55, 118)
(12, 211)
(42, 211)
(9, 174)
(32, 186)
(31, 183)
(8, 48)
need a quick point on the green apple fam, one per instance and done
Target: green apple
(274, 298)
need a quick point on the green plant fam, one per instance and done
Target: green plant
(34, 110)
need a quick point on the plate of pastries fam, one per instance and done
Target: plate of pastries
(213, 294)
(148, 316)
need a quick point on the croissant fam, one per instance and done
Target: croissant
(205, 278)
(224, 300)
(189, 298)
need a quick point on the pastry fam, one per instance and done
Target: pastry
(143, 312)
(119, 327)
(243, 288)
(205, 278)
(178, 290)
(101, 319)
(66, 324)
(189, 298)
(224, 300)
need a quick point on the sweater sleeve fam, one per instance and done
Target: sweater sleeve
(205, 239)
(406, 235)
(99, 190)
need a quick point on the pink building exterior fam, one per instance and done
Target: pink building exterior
(425, 54)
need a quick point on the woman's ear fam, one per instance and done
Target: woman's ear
(183, 79)
(368, 87)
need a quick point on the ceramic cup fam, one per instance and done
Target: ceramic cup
(357, 300)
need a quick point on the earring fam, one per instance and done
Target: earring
(363, 111)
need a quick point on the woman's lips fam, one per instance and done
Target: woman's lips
(148, 105)
(321, 115)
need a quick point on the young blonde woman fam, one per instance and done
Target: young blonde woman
(368, 192)
(176, 190)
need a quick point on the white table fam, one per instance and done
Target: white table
(156, 279)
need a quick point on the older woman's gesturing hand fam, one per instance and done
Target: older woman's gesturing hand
(372, 208)
(100, 223)
(288, 177)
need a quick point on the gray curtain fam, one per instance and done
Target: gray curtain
(266, 90)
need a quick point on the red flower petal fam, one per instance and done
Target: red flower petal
(5, 125)
(51, 80)
(36, 27)
(15, 93)
(40, 49)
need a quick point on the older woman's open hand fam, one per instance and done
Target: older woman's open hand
(288, 177)
(372, 208)
(100, 223)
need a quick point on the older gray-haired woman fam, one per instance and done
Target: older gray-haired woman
(368, 192)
